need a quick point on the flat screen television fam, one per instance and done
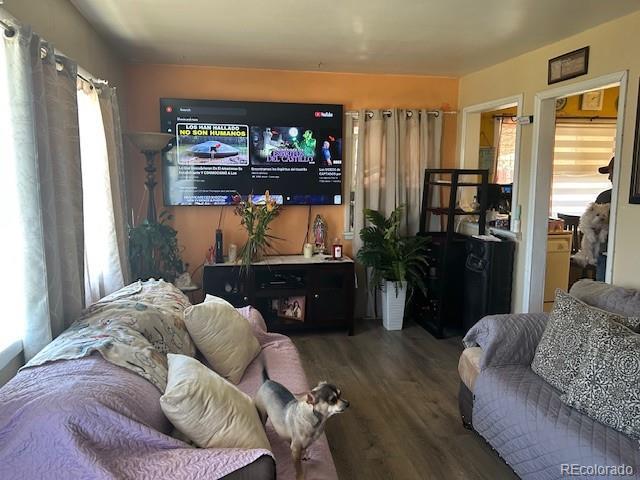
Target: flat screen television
(221, 148)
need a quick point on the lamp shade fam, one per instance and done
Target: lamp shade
(149, 141)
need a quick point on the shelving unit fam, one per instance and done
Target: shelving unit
(440, 312)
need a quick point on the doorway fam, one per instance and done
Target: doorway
(547, 115)
(490, 139)
(585, 139)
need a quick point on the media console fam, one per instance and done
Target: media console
(291, 292)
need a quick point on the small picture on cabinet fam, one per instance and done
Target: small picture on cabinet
(290, 308)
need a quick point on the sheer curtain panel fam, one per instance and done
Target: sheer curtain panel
(113, 137)
(102, 267)
(43, 184)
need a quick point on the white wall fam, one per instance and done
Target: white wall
(612, 49)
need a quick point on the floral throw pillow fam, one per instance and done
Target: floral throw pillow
(607, 387)
(561, 349)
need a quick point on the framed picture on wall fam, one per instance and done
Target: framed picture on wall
(634, 193)
(569, 65)
(592, 100)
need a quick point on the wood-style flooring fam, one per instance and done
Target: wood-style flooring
(403, 421)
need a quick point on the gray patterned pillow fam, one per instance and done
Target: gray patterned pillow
(607, 387)
(560, 351)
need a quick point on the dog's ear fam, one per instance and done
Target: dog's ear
(311, 398)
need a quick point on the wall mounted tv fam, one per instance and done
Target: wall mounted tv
(294, 150)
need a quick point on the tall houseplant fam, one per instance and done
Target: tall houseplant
(398, 264)
(154, 251)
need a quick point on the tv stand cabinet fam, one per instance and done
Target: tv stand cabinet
(327, 287)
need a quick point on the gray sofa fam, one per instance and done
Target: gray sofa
(521, 416)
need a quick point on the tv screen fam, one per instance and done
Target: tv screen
(221, 148)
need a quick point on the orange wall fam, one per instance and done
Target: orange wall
(145, 84)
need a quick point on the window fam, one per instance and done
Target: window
(41, 242)
(350, 172)
(506, 151)
(352, 179)
(580, 148)
(12, 244)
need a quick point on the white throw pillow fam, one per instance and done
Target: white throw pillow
(223, 336)
(208, 409)
(252, 315)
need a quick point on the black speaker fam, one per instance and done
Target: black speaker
(219, 255)
(488, 275)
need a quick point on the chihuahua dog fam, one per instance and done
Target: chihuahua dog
(299, 420)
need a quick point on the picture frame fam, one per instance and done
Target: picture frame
(592, 100)
(568, 65)
(634, 191)
(290, 308)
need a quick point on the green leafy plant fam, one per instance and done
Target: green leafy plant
(154, 251)
(255, 218)
(390, 256)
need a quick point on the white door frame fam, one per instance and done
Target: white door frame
(541, 178)
(498, 104)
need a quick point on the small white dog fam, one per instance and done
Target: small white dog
(594, 225)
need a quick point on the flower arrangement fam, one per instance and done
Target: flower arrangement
(256, 217)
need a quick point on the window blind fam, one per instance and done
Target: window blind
(506, 154)
(580, 149)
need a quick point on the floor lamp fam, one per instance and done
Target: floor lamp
(150, 144)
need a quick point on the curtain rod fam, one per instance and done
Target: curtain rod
(591, 119)
(9, 31)
(388, 113)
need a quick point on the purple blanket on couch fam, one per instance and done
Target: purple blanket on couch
(88, 418)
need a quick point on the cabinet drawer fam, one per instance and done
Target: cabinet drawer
(562, 244)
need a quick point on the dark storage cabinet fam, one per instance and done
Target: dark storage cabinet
(327, 288)
(440, 310)
(488, 275)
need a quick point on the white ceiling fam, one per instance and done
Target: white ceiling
(437, 37)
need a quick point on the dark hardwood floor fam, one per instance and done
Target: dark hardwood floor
(403, 421)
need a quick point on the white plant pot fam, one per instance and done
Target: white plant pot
(393, 305)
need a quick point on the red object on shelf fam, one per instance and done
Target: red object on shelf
(337, 249)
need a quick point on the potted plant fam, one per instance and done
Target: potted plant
(398, 264)
(255, 217)
(154, 251)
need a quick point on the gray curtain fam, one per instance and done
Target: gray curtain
(46, 161)
(393, 152)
